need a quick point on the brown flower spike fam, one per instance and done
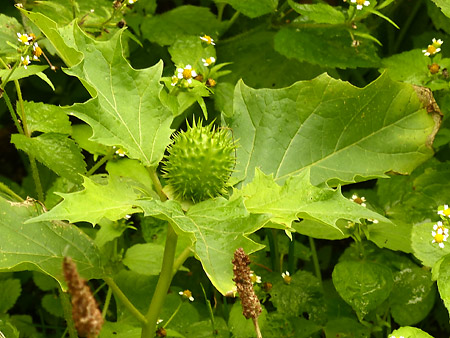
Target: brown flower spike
(251, 307)
(85, 312)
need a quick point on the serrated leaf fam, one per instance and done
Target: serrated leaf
(56, 151)
(144, 259)
(363, 285)
(302, 45)
(298, 198)
(46, 118)
(126, 110)
(166, 28)
(320, 13)
(56, 36)
(412, 296)
(252, 8)
(217, 228)
(113, 201)
(42, 246)
(342, 133)
(444, 5)
(10, 290)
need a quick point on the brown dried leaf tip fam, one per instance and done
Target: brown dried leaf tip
(251, 307)
(85, 312)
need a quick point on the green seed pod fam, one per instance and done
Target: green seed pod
(200, 162)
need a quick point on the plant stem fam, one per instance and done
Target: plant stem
(125, 301)
(165, 278)
(220, 8)
(12, 112)
(258, 331)
(107, 301)
(408, 22)
(67, 309)
(181, 259)
(99, 164)
(273, 245)
(157, 184)
(7, 190)
(291, 255)
(312, 245)
(173, 314)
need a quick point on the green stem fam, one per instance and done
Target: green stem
(97, 165)
(22, 109)
(312, 246)
(220, 9)
(173, 314)
(36, 179)
(291, 255)
(181, 259)
(165, 278)
(107, 301)
(232, 20)
(67, 309)
(12, 112)
(7, 190)
(157, 184)
(5, 81)
(274, 254)
(125, 301)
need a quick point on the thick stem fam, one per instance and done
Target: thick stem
(125, 301)
(165, 278)
(274, 254)
(258, 331)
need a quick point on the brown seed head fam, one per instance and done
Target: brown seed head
(85, 312)
(251, 308)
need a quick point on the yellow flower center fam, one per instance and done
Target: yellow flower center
(446, 212)
(23, 38)
(37, 51)
(360, 2)
(207, 38)
(25, 62)
(439, 238)
(187, 293)
(187, 73)
(431, 49)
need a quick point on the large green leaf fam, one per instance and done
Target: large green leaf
(46, 118)
(126, 110)
(298, 198)
(57, 38)
(56, 151)
(342, 133)
(41, 246)
(166, 28)
(443, 280)
(362, 284)
(9, 27)
(113, 200)
(321, 13)
(217, 228)
(252, 8)
(319, 46)
(444, 5)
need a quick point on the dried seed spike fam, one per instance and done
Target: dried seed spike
(85, 312)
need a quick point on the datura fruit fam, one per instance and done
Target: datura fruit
(200, 162)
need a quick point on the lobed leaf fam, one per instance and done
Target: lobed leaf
(216, 228)
(46, 118)
(342, 133)
(444, 5)
(126, 110)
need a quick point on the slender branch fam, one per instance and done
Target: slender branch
(315, 259)
(107, 301)
(12, 112)
(181, 259)
(257, 330)
(67, 309)
(125, 301)
(165, 278)
(173, 314)
(97, 165)
(7, 190)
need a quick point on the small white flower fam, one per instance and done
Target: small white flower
(360, 200)
(24, 38)
(437, 43)
(187, 294)
(444, 212)
(440, 234)
(131, 2)
(186, 73)
(286, 277)
(25, 61)
(159, 321)
(360, 3)
(209, 61)
(207, 39)
(255, 278)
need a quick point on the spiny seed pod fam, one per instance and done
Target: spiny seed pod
(200, 162)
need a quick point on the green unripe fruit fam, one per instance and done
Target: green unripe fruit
(200, 162)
